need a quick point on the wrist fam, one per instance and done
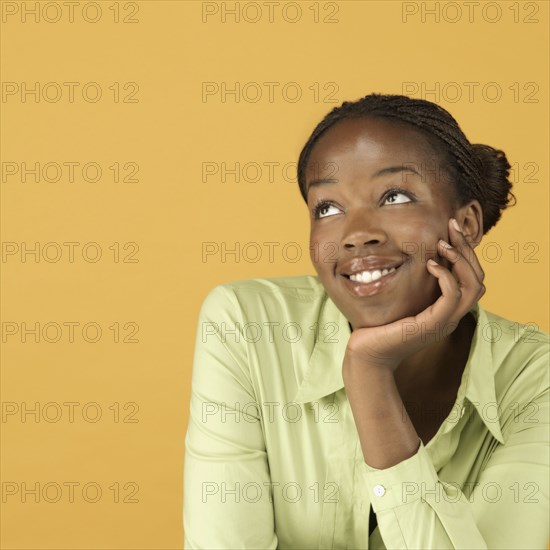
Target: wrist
(356, 369)
(374, 366)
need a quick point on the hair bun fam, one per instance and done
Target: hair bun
(495, 172)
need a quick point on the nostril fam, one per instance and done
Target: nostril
(366, 243)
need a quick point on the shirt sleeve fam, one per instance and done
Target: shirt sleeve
(507, 507)
(227, 502)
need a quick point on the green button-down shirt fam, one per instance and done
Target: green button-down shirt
(273, 458)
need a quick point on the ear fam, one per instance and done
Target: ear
(470, 219)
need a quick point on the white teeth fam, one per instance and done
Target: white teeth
(369, 276)
(376, 275)
(365, 277)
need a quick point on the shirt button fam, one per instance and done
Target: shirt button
(379, 491)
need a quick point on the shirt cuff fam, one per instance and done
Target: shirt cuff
(402, 483)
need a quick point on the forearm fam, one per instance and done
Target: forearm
(385, 430)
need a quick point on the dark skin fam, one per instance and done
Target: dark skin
(411, 336)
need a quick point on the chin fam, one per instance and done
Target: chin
(378, 315)
(375, 320)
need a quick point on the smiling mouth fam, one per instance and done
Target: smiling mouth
(371, 276)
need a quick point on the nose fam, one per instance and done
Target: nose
(362, 229)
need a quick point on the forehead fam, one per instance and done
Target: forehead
(372, 139)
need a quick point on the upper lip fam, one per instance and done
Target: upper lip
(368, 263)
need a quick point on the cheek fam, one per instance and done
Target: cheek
(323, 250)
(419, 240)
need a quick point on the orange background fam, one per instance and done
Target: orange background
(153, 281)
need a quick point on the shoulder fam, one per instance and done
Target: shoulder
(265, 296)
(263, 329)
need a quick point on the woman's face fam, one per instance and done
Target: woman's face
(364, 226)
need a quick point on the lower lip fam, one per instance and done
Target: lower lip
(370, 289)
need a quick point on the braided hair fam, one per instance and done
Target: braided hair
(476, 171)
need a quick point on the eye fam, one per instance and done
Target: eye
(322, 208)
(397, 192)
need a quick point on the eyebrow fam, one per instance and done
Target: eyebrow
(389, 170)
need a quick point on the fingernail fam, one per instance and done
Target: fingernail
(432, 262)
(444, 243)
(454, 223)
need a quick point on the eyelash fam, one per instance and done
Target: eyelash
(394, 190)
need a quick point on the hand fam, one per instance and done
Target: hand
(387, 345)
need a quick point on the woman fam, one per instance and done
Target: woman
(376, 405)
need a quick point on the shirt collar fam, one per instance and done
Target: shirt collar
(478, 378)
(323, 375)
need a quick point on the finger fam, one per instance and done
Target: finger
(443, 316)
(447, 307)
(458, 239)
(458, 262)
(467, 278)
